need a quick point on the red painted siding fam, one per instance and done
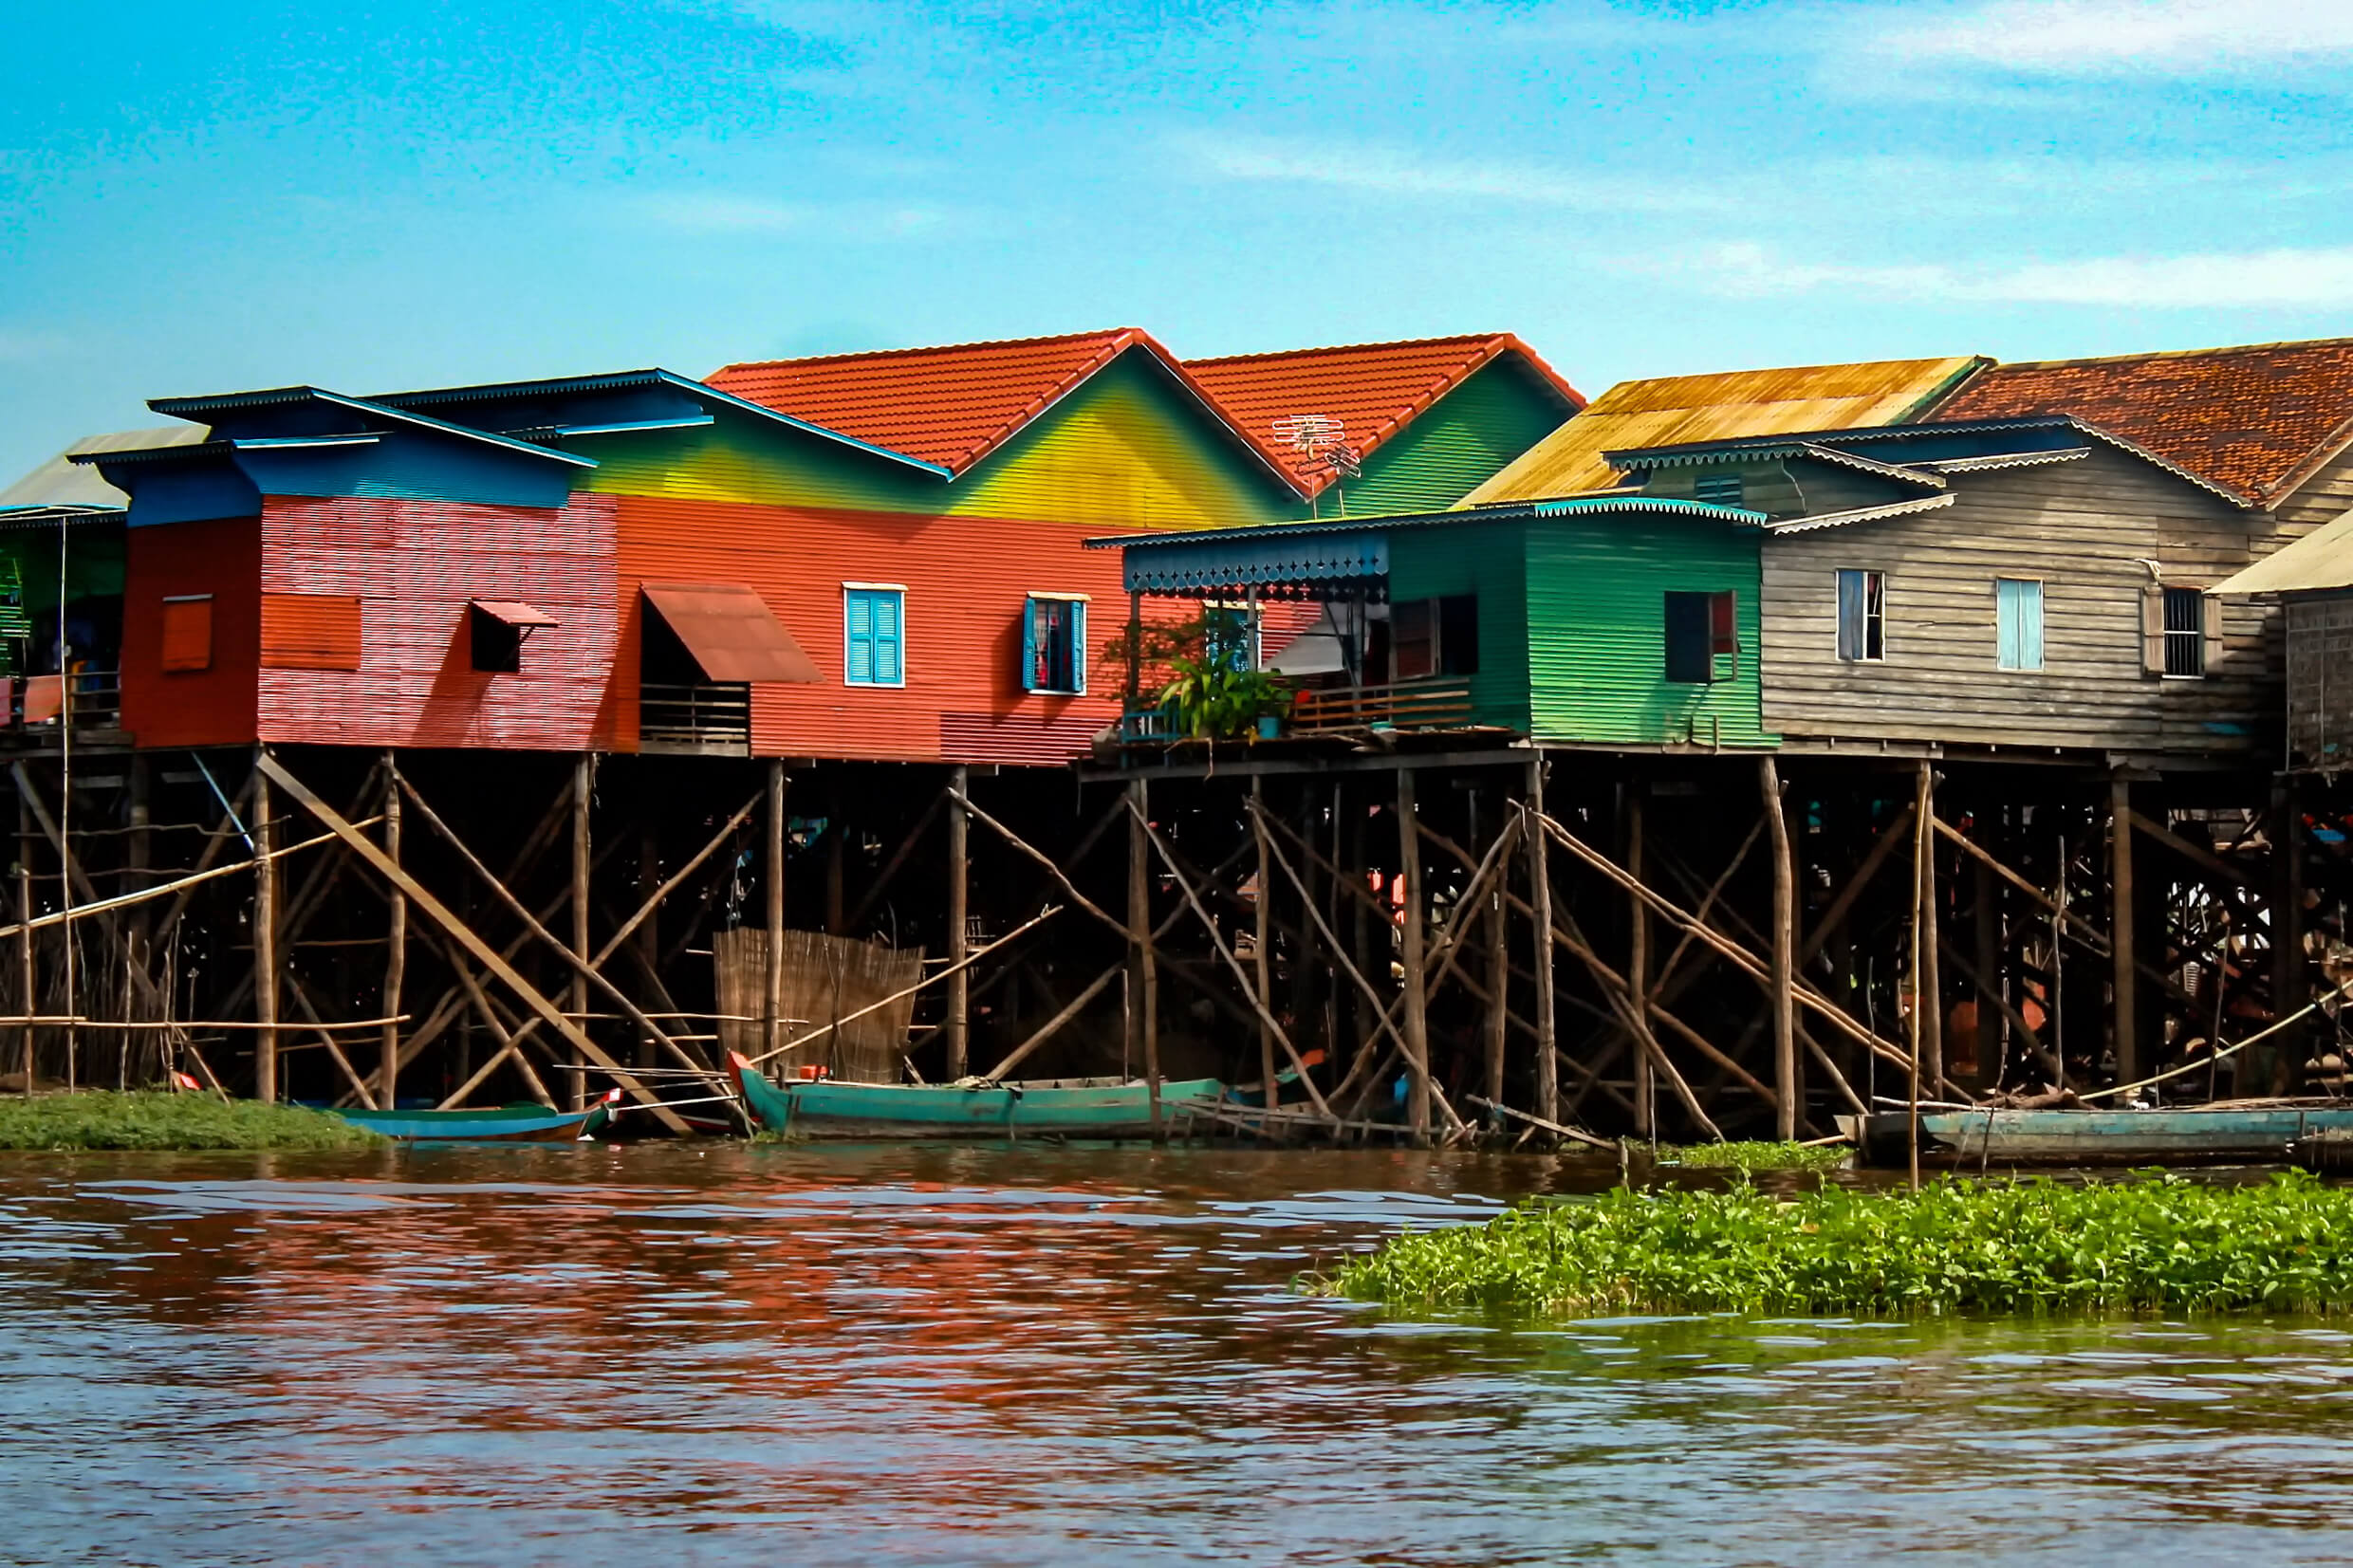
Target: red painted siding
(413, 565)
(966, 582)
(211, 706)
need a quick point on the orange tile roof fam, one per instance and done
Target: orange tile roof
(955, 404)
(1375, 390)
(2255, 420)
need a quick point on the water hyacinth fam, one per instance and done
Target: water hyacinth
(2161, 1245)
(1754, 1156)
(159, 1119)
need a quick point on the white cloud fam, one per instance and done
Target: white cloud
(2110, 37)
(1391, 172)
(723, 213)
(2284, 278)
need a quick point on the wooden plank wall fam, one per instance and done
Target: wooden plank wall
(2085, 528)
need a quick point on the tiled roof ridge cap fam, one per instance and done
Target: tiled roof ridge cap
(1260, 357)
(1106, 333)
(2147, 355)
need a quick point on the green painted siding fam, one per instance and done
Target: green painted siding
(1457, 444)
(1595, 624)
(1485, 560)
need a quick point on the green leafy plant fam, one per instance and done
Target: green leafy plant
(1754, 1156)
(1210, 697)
(2143, 1245)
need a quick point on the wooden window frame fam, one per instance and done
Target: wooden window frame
(2042, 651)
(1874, 615)
(1032, 651)
(873, 592)
(2167, 650)
(1719, 610)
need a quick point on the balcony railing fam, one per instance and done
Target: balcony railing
(1437, 703)
(709, 717)
(37, 703)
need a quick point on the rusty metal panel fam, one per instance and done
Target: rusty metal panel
(310, 631)
(1705, 408)
(209, 706)
(415, 566)
(729, 629)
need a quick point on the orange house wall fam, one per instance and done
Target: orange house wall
(966, 579)
(176, 708)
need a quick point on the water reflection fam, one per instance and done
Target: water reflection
(1036, 1355)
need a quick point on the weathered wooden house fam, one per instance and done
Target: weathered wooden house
(2312, 582)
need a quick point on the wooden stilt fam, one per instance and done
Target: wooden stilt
(265, 934)
(1638, 968)
(1783, 944)
(1145, 984)
(395, 948)
(2126, 981)
(958, 1030)
(1986, 932)
(2290, 986)
(583, 859)
(1262, 959)
(1540, 897)
(1931, 946)
(26, 973)
(1922, 836)
(837, 856)
(648, 934)
(1498, 1014)
(1417, 1005)
(773, 995)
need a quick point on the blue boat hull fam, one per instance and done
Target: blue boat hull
(506, 1124)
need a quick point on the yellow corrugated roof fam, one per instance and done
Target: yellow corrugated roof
(1705, 408)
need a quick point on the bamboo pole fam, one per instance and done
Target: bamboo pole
(1921, 836)
(396, 950)
(1498, 1015)
(584, 858)
(1416, 1005)
(1932, 964)
(1262, 959)
(1638, 970)
(2121, 914)
(1053, 1025)
(772, 994)
(970, 959)
(28, 975)
(1783, 954)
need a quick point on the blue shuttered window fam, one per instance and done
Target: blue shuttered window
(873, 637)
(2018, 622)
(1053, 644)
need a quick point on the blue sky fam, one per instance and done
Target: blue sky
(377, 195)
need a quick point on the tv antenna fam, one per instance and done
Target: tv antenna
(1322, 440)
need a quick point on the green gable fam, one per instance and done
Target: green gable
(1457, 444)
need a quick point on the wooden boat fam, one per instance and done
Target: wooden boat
(1080, 1108)
(527, 1123)
(2202, 1134)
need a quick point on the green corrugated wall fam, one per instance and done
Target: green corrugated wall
(1595, 621)
(1457, 444)
(1485, 560)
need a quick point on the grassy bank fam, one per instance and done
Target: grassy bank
(1957, 1247)
(157, 1119)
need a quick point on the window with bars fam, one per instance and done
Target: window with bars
(1862, 615)
(2185, 632)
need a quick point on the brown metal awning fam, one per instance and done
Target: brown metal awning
(515, 613)
(729, 630)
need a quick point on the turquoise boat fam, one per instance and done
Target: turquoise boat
(1079, 1108)
(2200, 1134)
(527, 1122)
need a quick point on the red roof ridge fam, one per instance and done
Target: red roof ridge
(2172, 353)
(926, 348)
(1357, 348)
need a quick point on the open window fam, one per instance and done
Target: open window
(1702, 634)
(498, 628)
(2180, 630)
(1862, 615)
(1434, 636)
(1053, 643)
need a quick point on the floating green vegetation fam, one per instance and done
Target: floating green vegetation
(1754, 1156)
(162, 1119)
(1954, 1246)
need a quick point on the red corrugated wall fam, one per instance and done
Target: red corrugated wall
(213, 706)
(966, 581)
(413, 565)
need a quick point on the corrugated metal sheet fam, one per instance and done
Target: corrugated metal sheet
(727, 627)
(1466, 438)
(1377, 392)
(2321, 560)
(62, 482)
(210, 706)
(967, 582)
(311, 631)
(1487, 559)
(1597, 624)
(1703, 408)
(1123, 450)
(416, 565)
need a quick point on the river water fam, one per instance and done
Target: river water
(1037, 1355)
